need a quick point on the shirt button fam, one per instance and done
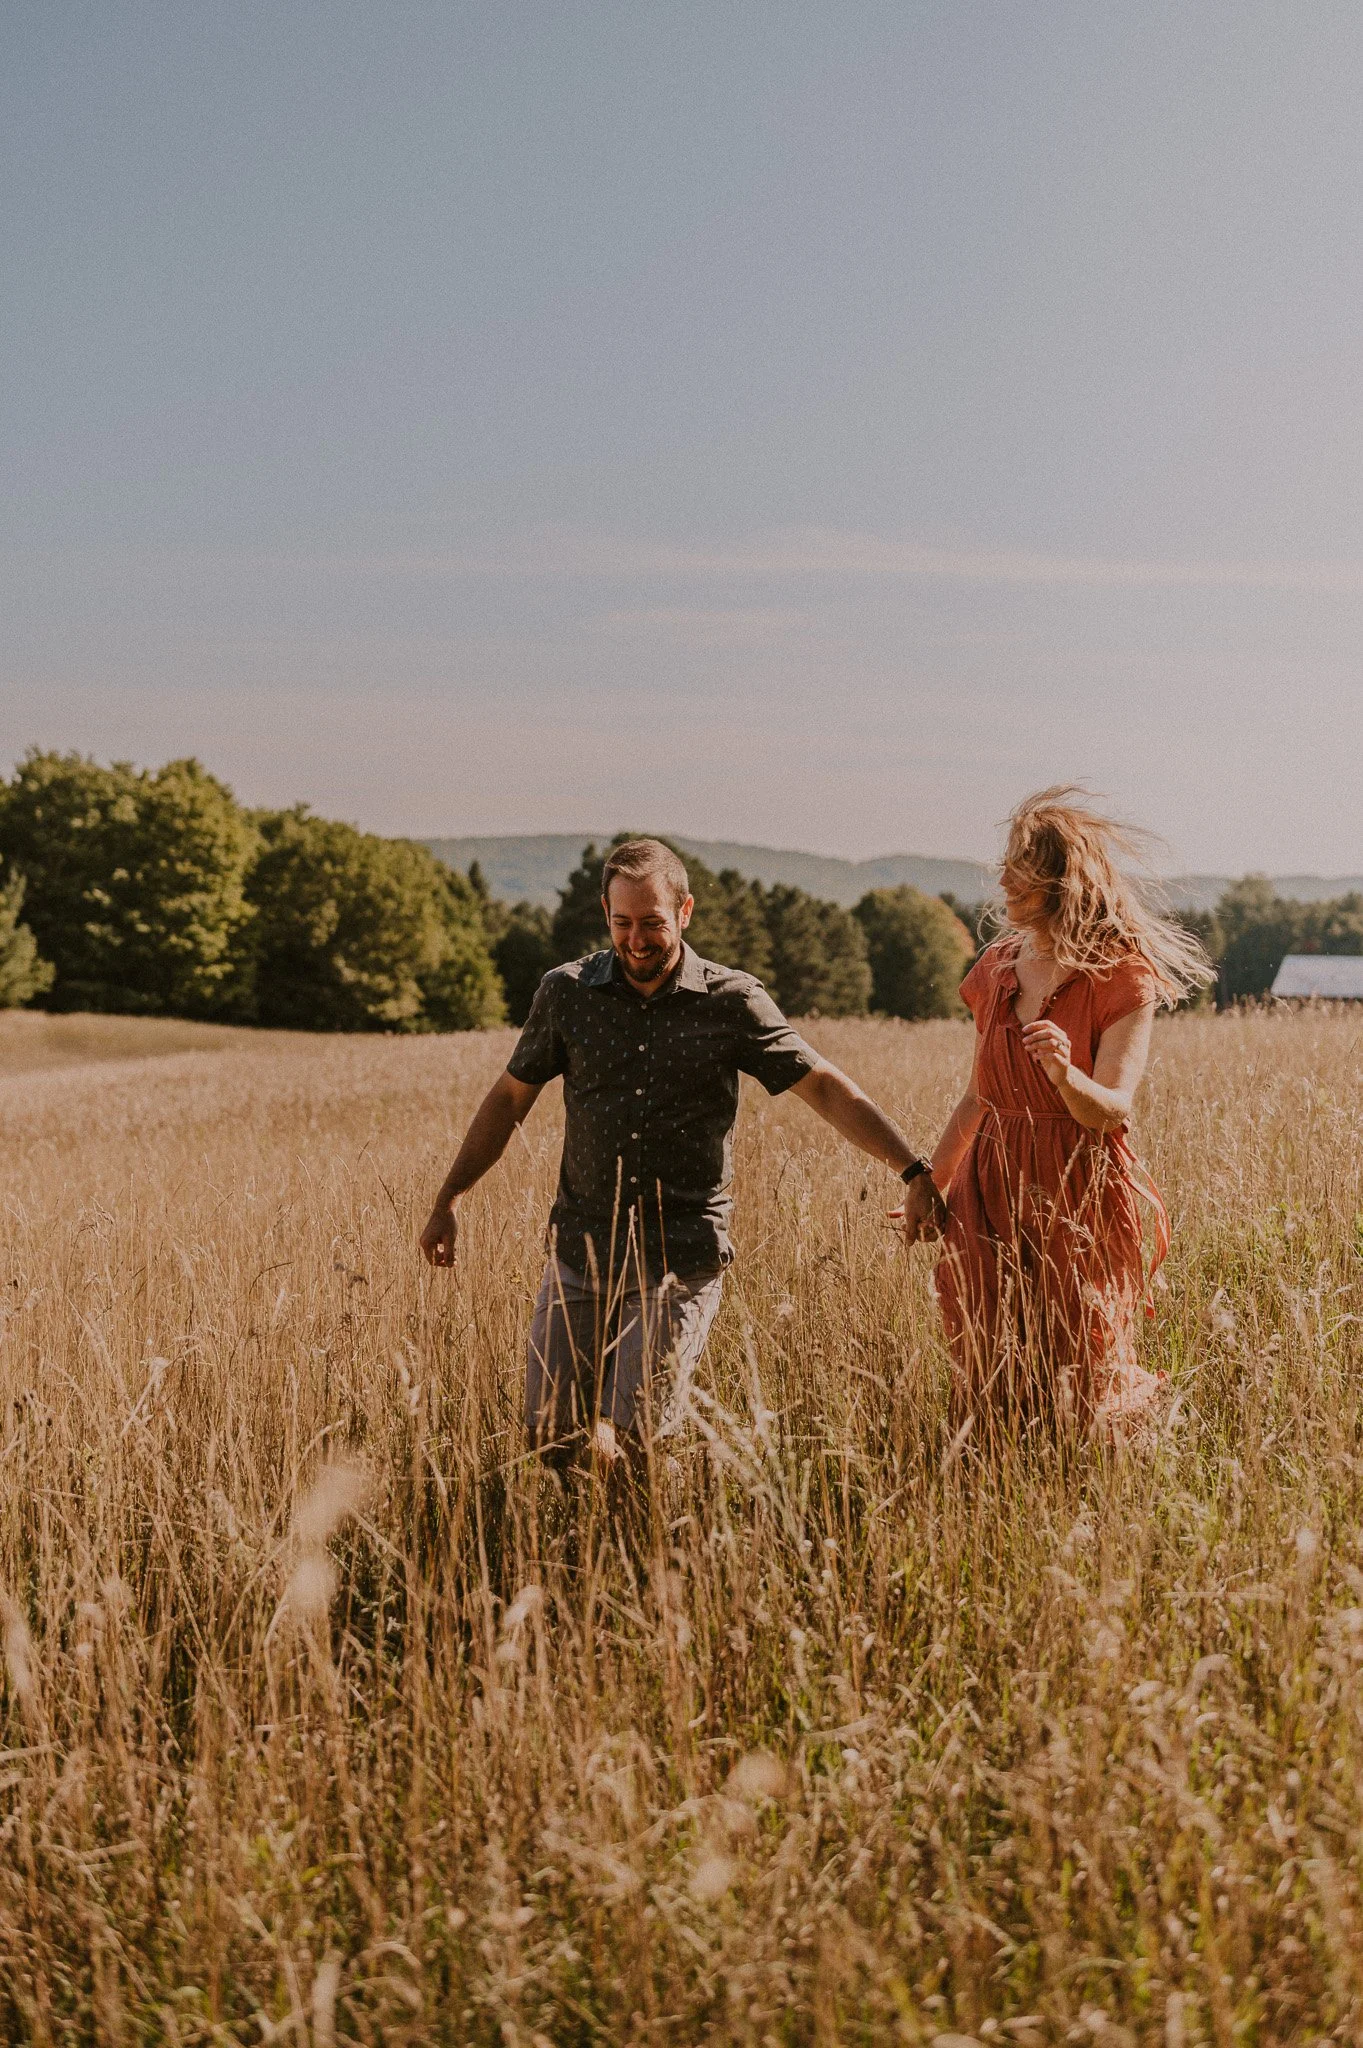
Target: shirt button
(642, 1046)
(634, 1180)
(638, 1091)
(634, 1134)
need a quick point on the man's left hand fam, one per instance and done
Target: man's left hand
(921, 1218)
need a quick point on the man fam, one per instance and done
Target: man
(650, 1041)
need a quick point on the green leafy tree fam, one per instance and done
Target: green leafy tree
(136, 882)
(819, 962)
(357, 933)
(23, 973)
(918, 950)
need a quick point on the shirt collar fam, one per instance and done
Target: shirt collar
(598, 968)
(691, 973)
(601, 969)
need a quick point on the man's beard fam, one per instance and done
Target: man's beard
(649, 968)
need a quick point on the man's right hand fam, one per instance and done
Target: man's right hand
(439, 1238)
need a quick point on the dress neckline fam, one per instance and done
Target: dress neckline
(1011, 986)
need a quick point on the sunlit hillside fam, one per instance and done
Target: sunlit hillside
(31, 1040)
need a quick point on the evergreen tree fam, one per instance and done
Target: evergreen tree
(918, 949)
(1205, 927)
(136, 882)
(1335, 926)
(358, 933)
(819, 960)
(741, 939)
(519, 939)
(1260, 927)
(578, 926)
(23, 974)
(523, 951)
(728, 924)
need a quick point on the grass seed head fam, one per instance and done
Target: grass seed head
(528, 1601)
(325, 1986)
(339, 1490)
(712, 1877)
(311, 1587)
(757, 1776)
(18, 1651)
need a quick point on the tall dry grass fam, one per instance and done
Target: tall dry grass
(327, 1719)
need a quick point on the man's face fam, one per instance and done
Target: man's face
(645, 927)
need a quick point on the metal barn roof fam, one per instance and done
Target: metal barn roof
(1334, 976)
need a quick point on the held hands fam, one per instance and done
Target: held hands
(1050, 1048)
(439, 1238)
(922, 1216)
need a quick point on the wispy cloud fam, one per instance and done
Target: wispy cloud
(697, 626)
(787, 555)
(820, 552)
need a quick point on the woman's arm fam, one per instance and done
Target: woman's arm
(1104, 1101)
(961, 1127)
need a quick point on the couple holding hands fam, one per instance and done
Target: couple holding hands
(1032, 1191)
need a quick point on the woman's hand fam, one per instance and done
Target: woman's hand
(1050, 1048)
(922, 1215)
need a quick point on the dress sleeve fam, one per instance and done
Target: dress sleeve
(976, 987)
(540, 1053)
(1127, 988)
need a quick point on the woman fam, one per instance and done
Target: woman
(1042, 1266)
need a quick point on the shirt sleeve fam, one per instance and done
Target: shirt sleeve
(1127, 988)
(768, 1048)
(540, 1053)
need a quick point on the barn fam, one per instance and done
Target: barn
(1331, 977)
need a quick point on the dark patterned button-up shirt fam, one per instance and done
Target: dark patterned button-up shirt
(650, 1095)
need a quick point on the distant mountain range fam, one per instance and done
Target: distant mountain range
(535, 868)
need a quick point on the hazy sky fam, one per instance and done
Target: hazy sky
(816, 424)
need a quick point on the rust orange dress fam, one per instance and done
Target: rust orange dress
(1043, 1268)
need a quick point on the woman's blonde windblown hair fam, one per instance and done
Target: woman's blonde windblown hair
(1098, 916)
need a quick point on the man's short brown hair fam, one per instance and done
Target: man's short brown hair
(644, 860)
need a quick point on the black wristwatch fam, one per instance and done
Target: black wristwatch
(913, 1169)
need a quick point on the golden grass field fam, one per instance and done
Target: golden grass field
(327, 1720)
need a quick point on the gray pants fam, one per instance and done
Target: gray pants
(627, 1359)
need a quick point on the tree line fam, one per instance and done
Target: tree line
(900, 951)
(153, 891)
(1252, 929)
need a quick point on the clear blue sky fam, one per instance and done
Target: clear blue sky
(815, 424)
